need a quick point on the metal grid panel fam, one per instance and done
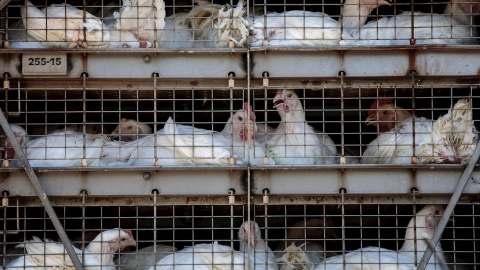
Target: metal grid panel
(325, 229)
(350, 124)
(169, 24)
(129, 24)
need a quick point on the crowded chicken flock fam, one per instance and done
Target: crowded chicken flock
(253, 252)
(144, 24)
(402, 138)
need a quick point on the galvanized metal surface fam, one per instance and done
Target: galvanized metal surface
(289, 63)
(279, 181)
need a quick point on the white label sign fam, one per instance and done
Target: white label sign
(44, 64)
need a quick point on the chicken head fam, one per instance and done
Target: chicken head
(426, 220)
(249, 231)
(110, 241)
(286, 101)
(20, 136)
(384, 114)
(128, 129)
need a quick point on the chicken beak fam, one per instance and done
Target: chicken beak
(371, 120)
(277, 102)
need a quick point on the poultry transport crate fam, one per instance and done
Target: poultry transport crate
(339, 207)
(190, 24)
(351, 179)
(149, 124)
(315, 230)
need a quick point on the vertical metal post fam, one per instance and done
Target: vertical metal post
(467, 174)
(40, 192)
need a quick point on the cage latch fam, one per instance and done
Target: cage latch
(5, 194)
(231, 81)
(231, 196)
(6, 80)
(266, 194)
(265, 76)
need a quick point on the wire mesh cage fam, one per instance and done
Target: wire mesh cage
(188, 24)
(152, 232)
(355, 124)
(125, 24)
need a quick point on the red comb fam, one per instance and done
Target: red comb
(248, 109)
(380, 102)
(129, 232)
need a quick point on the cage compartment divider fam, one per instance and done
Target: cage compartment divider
(41, 193)
(467, 174)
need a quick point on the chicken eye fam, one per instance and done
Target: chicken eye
(289, 95)
(129, 127)
(384, 112)
(240, 118)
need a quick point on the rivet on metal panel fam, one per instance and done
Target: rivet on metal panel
(266, 161)
(147, 175)
(5, 195)
(266, 193)
(147, 58)
(231, 196)
(231, 82)
(414, 160)
(265, 76)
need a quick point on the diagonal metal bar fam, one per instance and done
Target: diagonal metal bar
(40, 192)
(467, 174)
(3, 3)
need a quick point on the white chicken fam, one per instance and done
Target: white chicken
(220, 257)
(419, 230)
(215, 25)
(241, 129)
(21, 137)
(58, 149)
(295, 28)
(145, 18)
(144, 257)
(455, 26)
(63, 26)
(450, 139)
(294, 141)
(98, 255)
(203, 257)
(303, 257)
(206, 25)
(187, 145)
(255, 248)
(304, 246)
(130, 130)
(64, 149)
